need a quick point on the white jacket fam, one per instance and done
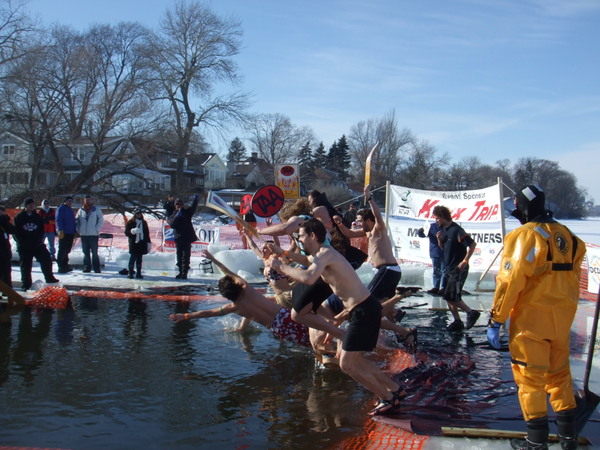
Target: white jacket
(89, 224)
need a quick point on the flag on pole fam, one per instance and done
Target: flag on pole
(215, 202)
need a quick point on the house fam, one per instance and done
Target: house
(250, 173)
(211, 168)
(134, 167)
(16, 157)
(328, 178)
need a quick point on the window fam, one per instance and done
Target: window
(8, 149)
(77, 154)
(3, 178)
(19, 178)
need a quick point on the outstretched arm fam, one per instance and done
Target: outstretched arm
(208, 255)
(283, 229)
(252, 244)
(308, 276)
(194, 206)
(374, 207)
(221, 311)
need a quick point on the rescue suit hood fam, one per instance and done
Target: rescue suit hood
(530, 202)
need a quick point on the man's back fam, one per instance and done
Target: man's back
(254, 305)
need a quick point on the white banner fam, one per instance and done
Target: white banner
(593, 260)
(477, 211)
(207, 235)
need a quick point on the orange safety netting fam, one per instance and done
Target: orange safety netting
(141, 295)
(379, 435)
(54, 297)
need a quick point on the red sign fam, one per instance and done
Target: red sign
(267, 201)
(245, 204)
(287, 171)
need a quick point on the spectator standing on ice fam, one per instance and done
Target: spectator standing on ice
(138, 233)
(89, 223)
(29, 232)
(458, 248)
(184, 234)
(169, 206)
(48, 215)
(6, 229)
(437, 258)
(66, 227)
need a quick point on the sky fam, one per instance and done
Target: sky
(486, 78)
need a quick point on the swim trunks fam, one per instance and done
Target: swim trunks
(284, 328)
(384, 282)
(305, 294)
(363, 326)
(273, 275)
(335, 304)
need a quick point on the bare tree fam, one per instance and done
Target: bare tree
(393, 145)
(276, 139)
(422, 166)
(189, 57)
(16, 29)
(80, 90)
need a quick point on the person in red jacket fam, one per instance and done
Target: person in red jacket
(48, 215)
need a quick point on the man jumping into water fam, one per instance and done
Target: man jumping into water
(328, 264)
(248, 302)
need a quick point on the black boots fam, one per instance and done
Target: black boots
(537, 435)
(567, 432)
(538, 429)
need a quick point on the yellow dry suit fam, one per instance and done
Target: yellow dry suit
(538, 288)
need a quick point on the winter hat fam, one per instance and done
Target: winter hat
(136, 211)
(530, 202)
(68, 198)
(27, 201)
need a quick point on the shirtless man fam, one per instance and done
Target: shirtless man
(249, 303)
(388, 274)
(329, 265)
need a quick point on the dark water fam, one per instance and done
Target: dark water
(118, 374)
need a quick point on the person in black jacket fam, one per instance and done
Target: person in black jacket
(138, 233)
(184, 234)
(6, 228)
(169, 206)
(29, 232)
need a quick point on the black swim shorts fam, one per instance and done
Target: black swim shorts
(363, 326)
(304, 294)
(384, 282)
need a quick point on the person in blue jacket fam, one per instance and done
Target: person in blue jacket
(184, 234)
(65, 228)
(437, 258)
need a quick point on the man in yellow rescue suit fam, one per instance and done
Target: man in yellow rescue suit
(537, 287)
